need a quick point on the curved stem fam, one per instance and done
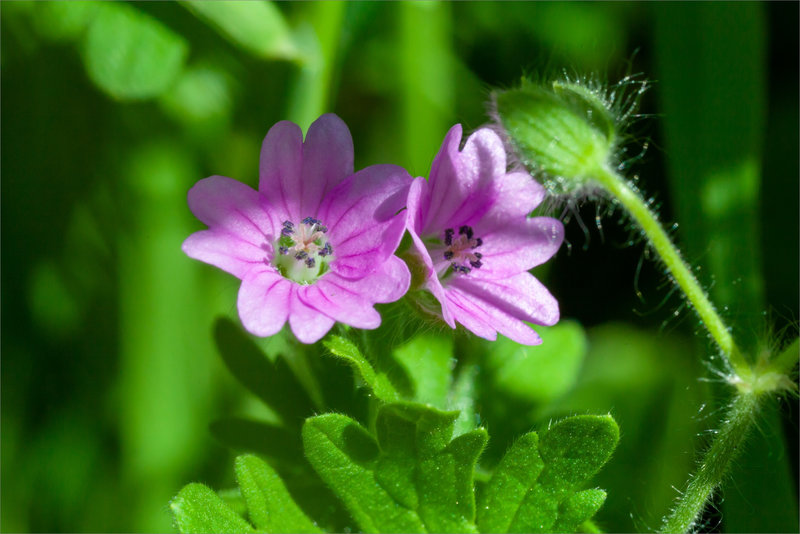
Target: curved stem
(660, 241)
(715, 463)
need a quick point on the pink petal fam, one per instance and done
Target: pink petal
(463, 183)
(366, 219)
(229, 206)
(521, 296)
(519, 246)
(340, 303)
(308, 324)
(327, 160)
(280, 169)
(225, 251)
(264, 301)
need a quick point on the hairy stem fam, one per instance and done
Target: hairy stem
(715, 463)
(786, 360)
(660, 241)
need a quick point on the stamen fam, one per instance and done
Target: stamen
(287, 231)
(465, 230)
(459, 250)
(301, 255)
(448, 255)
(310, 262)
(283, 250)
(448, 237)
(478, 242)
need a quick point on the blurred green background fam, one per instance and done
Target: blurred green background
(111, 111)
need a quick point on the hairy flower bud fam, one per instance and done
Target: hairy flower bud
(564, 131)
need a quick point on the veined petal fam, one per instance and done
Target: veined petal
(280, 168)
(264, 301)
(225, 251)
(519, 246)
(366, 219)
(230, 206)
(340, 303)
(327, 161)
(308, 324)
(486, 320)
(521, 296)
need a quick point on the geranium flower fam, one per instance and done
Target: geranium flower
(470, 227)
(315, 244)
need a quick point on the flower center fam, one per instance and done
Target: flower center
(303, 250)
(460, 251)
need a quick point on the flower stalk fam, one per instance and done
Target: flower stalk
(639, 211)
(715, 463)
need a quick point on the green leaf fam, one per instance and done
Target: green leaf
(59, 21)
(254, 25)
(131, 55)
(272, 382)
(377, 381)
(542, 373)
(426, 359)
(577, 509)
(198, 509)
(533, 487)
(413, 479)
(269, 505)
(344, 454)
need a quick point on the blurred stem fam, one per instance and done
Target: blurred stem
(638, 209)
(715, 463)
(311, 91)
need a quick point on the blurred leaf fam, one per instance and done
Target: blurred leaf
(532, 489)
(426, 359)
(378, 382)
(202, 93)
(254, 25)
(269, 505)
(198, 509)
(541, 373)
(130, 55)
(259, 437)
(62, 21)
(413, 479)
(272, 382)
(53, 305)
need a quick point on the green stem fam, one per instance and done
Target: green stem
(715, 463)
(660, 241)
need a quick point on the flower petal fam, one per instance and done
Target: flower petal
(327, 160)
(340, 303)
(264, 301)
(521, 296)
(485, 321)
(519, 246)
(280, 168)
(463, 183)
(230, 206)
(308, 324)
(225, 251)
(365, 218)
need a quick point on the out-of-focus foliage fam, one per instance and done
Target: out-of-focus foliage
(111, 111)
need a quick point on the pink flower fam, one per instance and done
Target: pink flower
(471, 231)
(315, 244)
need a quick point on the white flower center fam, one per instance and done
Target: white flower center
(303, 251)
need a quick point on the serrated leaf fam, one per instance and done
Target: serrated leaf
(269, 505)
(197, 508)
(131, 55)
(344, 454)
(578, 508)
(272, 382)
(575, 448)
(255, 25)
(377, 381)
(426, 359)
(414, 479)
(533, 486)
(260, 437)
(514, 476)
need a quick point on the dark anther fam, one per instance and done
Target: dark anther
(448, 254)
(322, 229)
(466, 230)
(478, 242)
(283, 250)
(478, 255)
(476, 264)
(325, 250)
(288, 224)
(300, 255)
(286, 231)
(310, 262)
(448, 236)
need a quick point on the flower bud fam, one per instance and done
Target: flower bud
(563, 131)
